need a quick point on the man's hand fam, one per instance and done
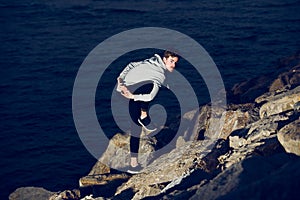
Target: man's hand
(120, 80)
(123, 89)
(125, 92)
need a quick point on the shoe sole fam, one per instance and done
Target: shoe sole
(149, 130)
(133, 172)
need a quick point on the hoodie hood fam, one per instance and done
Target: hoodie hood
(157, 60)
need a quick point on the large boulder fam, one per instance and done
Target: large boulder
(219, 125)
(279, 103)
(117, 154)
(195, 123)
(29, 193)
(289, 137)
(167, 171)
(286, 80)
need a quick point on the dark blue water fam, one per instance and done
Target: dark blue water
(43, 44)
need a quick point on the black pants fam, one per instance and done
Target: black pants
(135, 108)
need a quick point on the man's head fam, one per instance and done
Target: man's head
(170, 59)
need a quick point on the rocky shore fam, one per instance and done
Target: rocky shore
(255, 155)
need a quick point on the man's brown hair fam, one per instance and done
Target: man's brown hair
(168, 53)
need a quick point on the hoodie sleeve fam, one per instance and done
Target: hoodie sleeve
(147, 97)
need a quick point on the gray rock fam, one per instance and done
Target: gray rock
(90, 197)
(256, 135)
(297, 108)
(99, 168)
(169, 168)
(221, 185)
(197, 124)
(30, 193)
(200, 124)
(117, 154)
(66, 195)
(271, 178)
(286, 80)
(233, 120)
(101, 179)
(236, 142)
(279, 103)
(289, 137)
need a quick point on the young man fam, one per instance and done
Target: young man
(140, 82)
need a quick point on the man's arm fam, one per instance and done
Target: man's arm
(120, 84)
(140, 97)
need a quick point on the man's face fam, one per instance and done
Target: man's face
(170, 63)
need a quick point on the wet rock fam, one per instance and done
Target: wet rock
(29, 193)
(289, 137)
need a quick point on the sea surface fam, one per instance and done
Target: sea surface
(44, 43)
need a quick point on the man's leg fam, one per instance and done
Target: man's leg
(135, 111)
(144, 114)
(145, 120)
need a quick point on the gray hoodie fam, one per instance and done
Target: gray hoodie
(152, 69)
